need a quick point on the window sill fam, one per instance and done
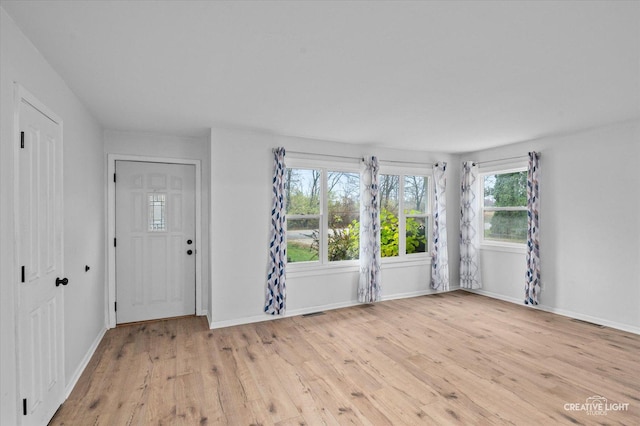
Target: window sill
(305, 269)
(405, 261)
(352, 266)
(504, 247)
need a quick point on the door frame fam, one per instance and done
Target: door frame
(110, 313)
(23, 95)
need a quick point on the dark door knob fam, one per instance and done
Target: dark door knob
(63, 281)
(189, 252)
(189, 242)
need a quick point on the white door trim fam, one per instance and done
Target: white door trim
(110, 313)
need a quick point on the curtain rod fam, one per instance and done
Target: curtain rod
(361, 158)
(419, 163)
(325, 155)
(517, 157)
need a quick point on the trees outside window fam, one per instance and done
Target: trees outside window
(323, 214)
(302, 191)
(404, 218)
(504, 210)
(343, 205)
(415, 212)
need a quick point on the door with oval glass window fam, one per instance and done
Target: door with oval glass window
(155, 241)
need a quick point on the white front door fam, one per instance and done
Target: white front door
(39, 246)
(155, 240)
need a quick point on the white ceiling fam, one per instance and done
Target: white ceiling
(436, 76)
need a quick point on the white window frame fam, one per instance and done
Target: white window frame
(403, 257)
(325, 166)
(494, 245)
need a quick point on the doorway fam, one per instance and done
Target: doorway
(155, 245)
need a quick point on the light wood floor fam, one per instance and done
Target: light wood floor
(454, 358)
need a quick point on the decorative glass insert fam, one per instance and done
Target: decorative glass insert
(157, 216)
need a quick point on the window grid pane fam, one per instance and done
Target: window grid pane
(303, 241)
(504, 203)
(415, 194)
(389, 191)
(343, 204)
(505, 190)
(302, 188)
(505, 226)
(416, 234)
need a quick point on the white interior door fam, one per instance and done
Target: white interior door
(40, 256)
(155, 240)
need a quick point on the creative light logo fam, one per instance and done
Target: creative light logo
(596, 406)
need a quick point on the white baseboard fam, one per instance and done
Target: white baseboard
(416, 294)
(494, 295)
(405, 295)
(289, 313)
(563, 312)
(85, 361)
(312, 309)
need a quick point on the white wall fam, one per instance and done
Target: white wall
(176, 147)
(589, 227)
(84, 223)
(241, 174)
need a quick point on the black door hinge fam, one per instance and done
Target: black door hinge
(22, 140)
(24, 406)
(114, 242)
(115, 306)
(22, 274)
(114, 177)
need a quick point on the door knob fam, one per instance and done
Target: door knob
(189, 252)
(63, 281)
(189, 242)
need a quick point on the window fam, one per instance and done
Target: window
(302, 188)
(404, 214)
(323, 213)
(504, 206)
(157, 221)
(343, 203)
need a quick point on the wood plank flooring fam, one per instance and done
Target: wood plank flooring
(454, 358)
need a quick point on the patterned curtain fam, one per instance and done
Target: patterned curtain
(469, 236)
(532, 284)
(440, 261)
(369, 286)
(275, 300)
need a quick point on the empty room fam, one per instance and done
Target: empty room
(319, 212)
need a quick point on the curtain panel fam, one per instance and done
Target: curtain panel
(369, 284)
(275, 298)
(469, 232)
(532, 283)
(440, 256)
